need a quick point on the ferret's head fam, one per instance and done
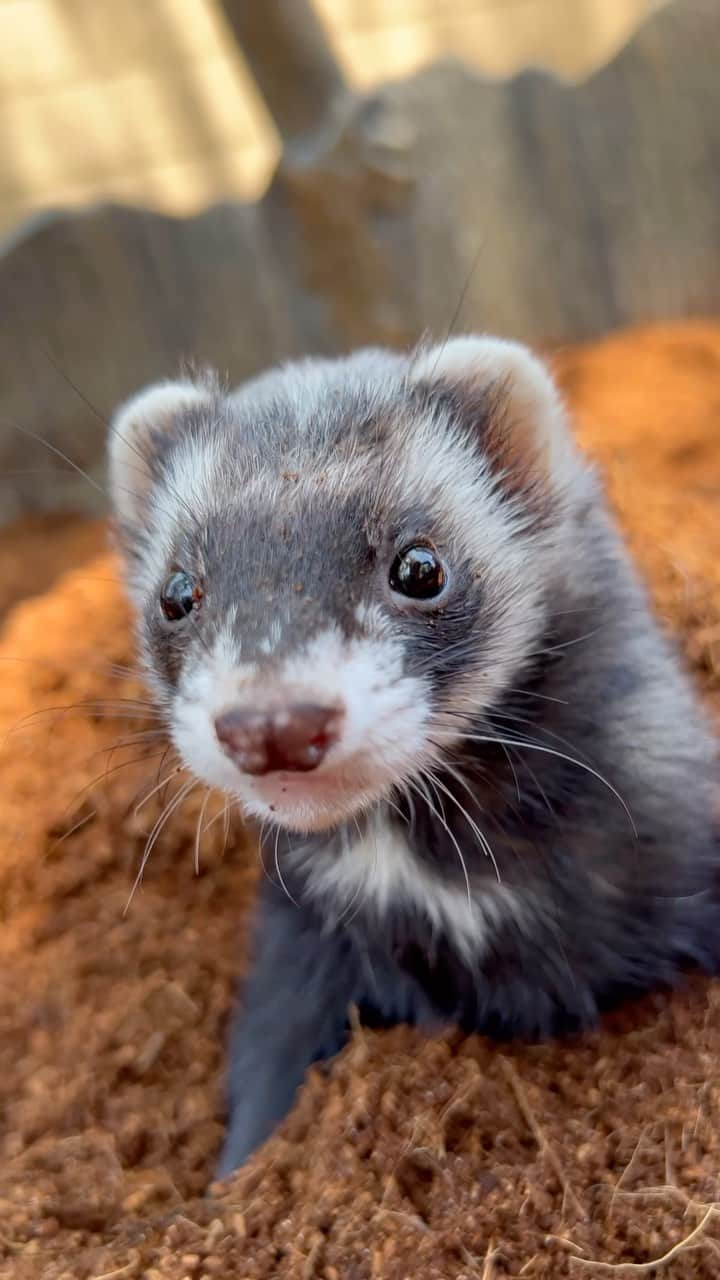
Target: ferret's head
(340, 567)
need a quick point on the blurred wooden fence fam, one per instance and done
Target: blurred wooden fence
(546, 211)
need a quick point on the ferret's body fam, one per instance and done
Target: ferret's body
(400, 626)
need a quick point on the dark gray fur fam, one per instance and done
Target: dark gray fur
(614, 905)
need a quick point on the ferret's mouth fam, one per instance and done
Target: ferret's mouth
(314, 801)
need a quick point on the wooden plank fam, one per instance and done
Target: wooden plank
(395, 37)
(592, 206)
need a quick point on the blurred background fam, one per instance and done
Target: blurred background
(154, 103)
(234, 183)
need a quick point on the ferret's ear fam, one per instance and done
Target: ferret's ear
(140, 432)
(505, 395)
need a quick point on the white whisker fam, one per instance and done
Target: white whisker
(226, 826)
(481, 837)
(444, 823)
(198, 832)
(550, 751)
(285, 889)
(158, 787)
(361, 881)
(71, 831)
(155, 833)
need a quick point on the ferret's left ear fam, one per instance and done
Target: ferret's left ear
(502, 392)
(140, 432)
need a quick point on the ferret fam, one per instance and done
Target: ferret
(383, 605)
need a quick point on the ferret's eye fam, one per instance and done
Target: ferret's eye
(179, 596)
(418, 573)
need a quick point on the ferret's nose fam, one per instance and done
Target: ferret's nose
(295, 738)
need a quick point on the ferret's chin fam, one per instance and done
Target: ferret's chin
(303, 820)
(308, 802)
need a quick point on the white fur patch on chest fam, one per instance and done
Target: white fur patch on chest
(379, 871)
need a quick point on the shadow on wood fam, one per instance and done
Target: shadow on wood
(585, 207)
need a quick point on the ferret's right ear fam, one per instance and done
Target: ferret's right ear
(141, 432)
(507, 399)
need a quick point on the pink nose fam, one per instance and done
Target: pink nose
(295, 738)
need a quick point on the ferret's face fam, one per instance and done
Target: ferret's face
(340, 567)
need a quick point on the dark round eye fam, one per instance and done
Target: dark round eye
(179, 596)
(418, 573)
